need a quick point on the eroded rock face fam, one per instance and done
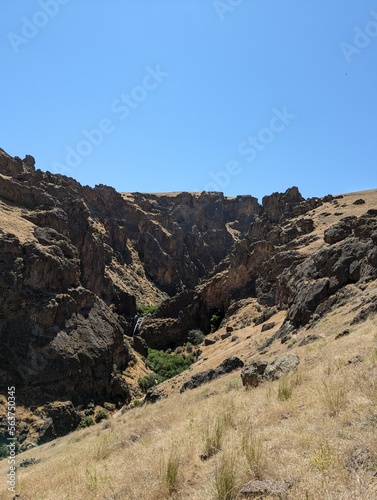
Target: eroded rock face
(74, 261)
(251, 270)
(349, 258)
(187, 235)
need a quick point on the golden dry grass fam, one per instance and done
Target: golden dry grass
(153, 452)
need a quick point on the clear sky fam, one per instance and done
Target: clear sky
(240, 96)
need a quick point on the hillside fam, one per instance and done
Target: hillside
(80, 265)
(314, 428)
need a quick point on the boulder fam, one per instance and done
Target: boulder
(258, 488)
(208, 341)
(282, 365)
(337, 232)
(227, 366)
(252, 374)
(153, 395)
(64, 417)
(26, 462)
(268, 326)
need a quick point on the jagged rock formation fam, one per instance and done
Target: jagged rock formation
(76, 262)
(180, 237)
(274, 265)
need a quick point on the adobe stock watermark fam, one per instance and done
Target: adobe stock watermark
(121, 108)
(223, 7)
(32, 26)
(362, 38)
(250, 148)
(11, 445)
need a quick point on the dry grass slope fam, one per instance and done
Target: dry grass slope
(307, 437)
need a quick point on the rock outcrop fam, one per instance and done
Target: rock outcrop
(78, 263)
(227, 366)
(258, 371)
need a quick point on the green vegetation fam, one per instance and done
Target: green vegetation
(195, 337)
(86, 421)
(215, 320)
(169, 471)
(147, 382)
(101, 414)
(4, 452)
(167, 365)
(145, 310)
(322, 457)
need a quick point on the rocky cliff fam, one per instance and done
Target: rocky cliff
(76, 264)
(299, 255)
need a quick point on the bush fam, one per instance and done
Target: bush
(147, 382)
(215, 320)
(195, 337)
(189, 347)
(101, 414)
(213, 436)
(145, 310)
(334, 397)
(167, 365)
(4, 452)
(86, 422)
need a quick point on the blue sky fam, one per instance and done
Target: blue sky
(245, 97)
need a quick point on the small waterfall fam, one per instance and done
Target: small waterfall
(138, 324)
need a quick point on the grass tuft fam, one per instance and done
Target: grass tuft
(225, 477)
(254, 450)
(334, 397)
(169, 469)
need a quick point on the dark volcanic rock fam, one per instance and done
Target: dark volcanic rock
(268, 326)
(336, 233)
(252, 373)
(227, 366)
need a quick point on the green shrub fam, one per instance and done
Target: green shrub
(195, 337)
(215, 320)
(189, 347)
(86, 421)
(147, 382)
(101, 414)
(167, 365)
(4, 452)
(144, 310)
